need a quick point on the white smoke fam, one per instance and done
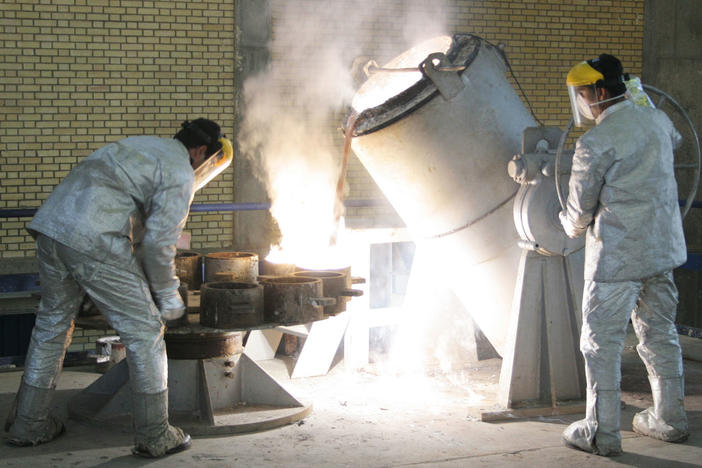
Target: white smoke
(294, 109)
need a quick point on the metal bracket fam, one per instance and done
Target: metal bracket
(448, 82)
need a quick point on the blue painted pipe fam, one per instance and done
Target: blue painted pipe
(29, 212)
(18, 213)
(695, 204)
(229, 207)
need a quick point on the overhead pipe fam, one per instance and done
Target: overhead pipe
(29, 212)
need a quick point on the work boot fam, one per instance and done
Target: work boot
(153, 436)
(666, 419)
(598, 433)
(29, 422)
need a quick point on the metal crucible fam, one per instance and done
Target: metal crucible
(334, 284)
(231, 305)
(294, 300)
(188, 267)
(271, 269)
(182, 343)
(242, 266)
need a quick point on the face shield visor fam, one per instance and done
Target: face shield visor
(581, 107)
(215, 164)
(582, 75)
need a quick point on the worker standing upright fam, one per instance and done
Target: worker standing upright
(109, 230)
(623, 196)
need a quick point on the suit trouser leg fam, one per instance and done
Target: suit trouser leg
(659, 349)
(29, 421)
(606, 311)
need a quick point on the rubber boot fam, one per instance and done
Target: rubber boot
(29, 422)
(666, 419)
(153, 436)
(599, 432)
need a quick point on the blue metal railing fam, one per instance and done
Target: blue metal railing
(201, 207)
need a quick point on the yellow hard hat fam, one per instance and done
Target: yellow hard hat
(583, 74)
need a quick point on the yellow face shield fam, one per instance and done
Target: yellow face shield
(581, 75)
(215, 164)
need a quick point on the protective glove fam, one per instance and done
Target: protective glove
(170, 304)
(567, 225)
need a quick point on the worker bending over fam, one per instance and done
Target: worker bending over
(109, 230)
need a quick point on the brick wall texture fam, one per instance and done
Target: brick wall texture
(76, 74)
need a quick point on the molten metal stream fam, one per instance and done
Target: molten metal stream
(339, 204)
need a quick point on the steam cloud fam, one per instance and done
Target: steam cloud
(294, 109)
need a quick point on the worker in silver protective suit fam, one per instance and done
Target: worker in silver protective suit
(109, 230)
(623, 196)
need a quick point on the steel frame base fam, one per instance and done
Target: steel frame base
(214, 396)
(321, 341)
(542, 368)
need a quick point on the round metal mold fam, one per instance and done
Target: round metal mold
(334, 284)
(186, 343)
(346, 271)
(243, 266)
(188, 265)
(231, 305)
(293, 300)
(271, 269)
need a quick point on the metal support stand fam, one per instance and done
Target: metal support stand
(213, 396)
(352, 326)
(542, 368)
(322, 340)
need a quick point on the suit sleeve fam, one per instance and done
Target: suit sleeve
(586, 180)
(165, 220)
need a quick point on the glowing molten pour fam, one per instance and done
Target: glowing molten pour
(303, 206)
(305, 210)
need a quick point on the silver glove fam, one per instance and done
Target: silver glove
(170, 304)
(568, 227)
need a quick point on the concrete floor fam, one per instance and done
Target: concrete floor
(364, 420)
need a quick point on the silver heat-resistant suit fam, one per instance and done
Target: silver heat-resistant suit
(109, 229)
(623, 196)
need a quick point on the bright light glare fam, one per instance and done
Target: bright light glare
(434, 341)
(303, 206)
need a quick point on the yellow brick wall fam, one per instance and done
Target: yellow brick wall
(77, 74)
(84, 339)
(545, 38)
